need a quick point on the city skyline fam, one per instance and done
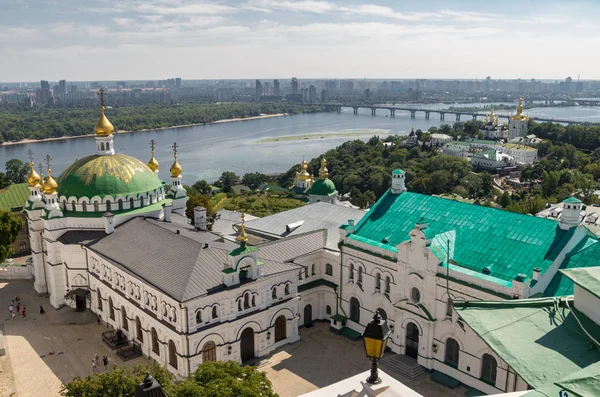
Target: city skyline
(246, 39)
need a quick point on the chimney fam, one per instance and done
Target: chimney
(109, 225)
(167, 209)
(571, 213)
(398, 181)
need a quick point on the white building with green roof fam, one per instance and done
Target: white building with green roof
(412, 256)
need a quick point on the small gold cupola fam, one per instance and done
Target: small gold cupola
(103, 126)
(33, 179)
(323, 172)
(243, 237)
(49, 186)
(303, 175)
(175, 168)
(153, 164)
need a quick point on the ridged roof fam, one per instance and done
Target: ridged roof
(13, 196)
(480, 237)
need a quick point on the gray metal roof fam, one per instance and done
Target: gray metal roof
(81, 236)
(315, 216)
(294, 246)
(171, 262)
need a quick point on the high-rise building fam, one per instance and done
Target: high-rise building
(276, 88)
(62, 87)
(258, 90)
(312, 94)
(267, 88)
(44, 93)
(178, 82)
(569, 84)
(324, 95)
(294, 86)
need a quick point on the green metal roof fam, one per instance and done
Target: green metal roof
(14, 196)
(583, 383)
(480, 237)
(322, 187)
(585, 254)
(587, 278)
(572, 200)
(398, 172)
(539, 341)
(101, 176)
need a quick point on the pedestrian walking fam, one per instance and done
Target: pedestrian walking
(11, 309)
(18, 307)
(42, 310)
(105, 361)
(95, 364)
(13, 315)
(23, 313)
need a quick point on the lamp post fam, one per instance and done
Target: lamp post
(375, 337)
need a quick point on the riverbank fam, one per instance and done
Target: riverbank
(262, 116)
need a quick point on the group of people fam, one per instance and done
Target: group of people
(15, 308)
(95, 363)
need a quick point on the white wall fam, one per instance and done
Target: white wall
(587, 304)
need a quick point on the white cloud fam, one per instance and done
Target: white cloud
(311, 6)
(386, 12)
(123, 21)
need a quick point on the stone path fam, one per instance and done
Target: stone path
(42, 353)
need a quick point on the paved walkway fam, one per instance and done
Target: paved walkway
(43, 354)
(322, 358)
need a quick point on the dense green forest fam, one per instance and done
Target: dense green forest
(51, 122)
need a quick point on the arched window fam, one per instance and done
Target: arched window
(247, 301)
(280, 329)
(306, 272)
(120, 202)
(378, 282)
(199, 317)
(253, 301)
(209, 352)
(125, 324)
(108, 205)
(101, 145)
(155, 347)
(111, 309)
(360, 273)
(84, 206)
(172, 354)
(488, 368)
(107, 145)
(351, 272)
(240, 305)
(452, 350)
(328, 310)
(449, 305)
(99, 300)
(96, 207)
(214, 312)
(329, 270)
(287, 289)
(354, 310)
(387, 284)
(131, 204)
(64, 204)
(274, 293)
(73, 206)
(141, 201)
(139, 333)
(300, 275)
(312, 270)
(151, 199)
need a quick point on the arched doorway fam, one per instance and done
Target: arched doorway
(355, 310)
(247, 344)
(280, 329)
(412, 340)
(172, 354)
(308, 316)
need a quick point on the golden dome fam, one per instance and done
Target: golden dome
(175, 169)
(153, 164)
(49, 186)
(520, 115)
(33, 179)
(323, 172)
(103, 127)
(303, 175)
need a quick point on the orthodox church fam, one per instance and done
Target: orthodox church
(517, 126)
(311, 190)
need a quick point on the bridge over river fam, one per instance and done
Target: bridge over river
(442, 113)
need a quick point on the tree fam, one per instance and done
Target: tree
(16, 171)
(505, 200)
(254, 179)
(4, 181)
(10, 226)
(211, 207)
(202, 187)
(228, 180)
(120, 381)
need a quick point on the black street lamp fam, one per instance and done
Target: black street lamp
(375, 336)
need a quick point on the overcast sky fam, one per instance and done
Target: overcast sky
(155, 39)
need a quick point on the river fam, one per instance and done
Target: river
(265, 145)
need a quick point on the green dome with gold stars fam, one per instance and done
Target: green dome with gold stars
(116, 175)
